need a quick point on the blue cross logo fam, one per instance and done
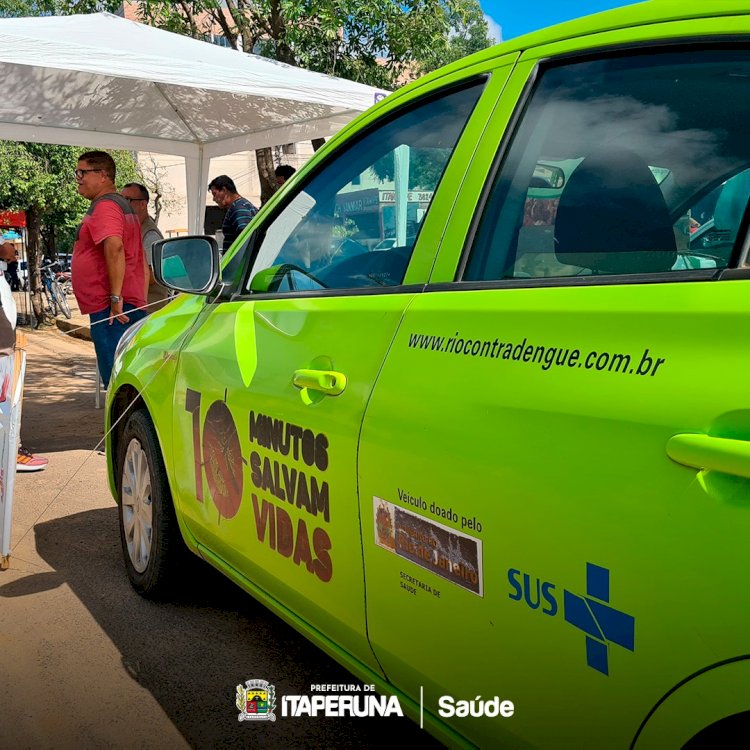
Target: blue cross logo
(601, 623)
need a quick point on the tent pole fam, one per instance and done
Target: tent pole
(196, 174)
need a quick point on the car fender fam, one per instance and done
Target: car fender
(145, 373)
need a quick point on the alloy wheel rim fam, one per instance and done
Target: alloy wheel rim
(137, 506)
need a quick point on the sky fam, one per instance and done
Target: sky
(511, 18)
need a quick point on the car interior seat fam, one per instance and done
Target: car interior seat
(612, 217)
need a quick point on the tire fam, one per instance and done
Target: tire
(726, 734)
(152, 544)
(62, 303)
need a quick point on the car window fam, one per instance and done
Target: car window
(713, 222)
(354, 224)
(630, 165)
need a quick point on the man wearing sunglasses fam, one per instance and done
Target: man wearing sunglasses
(138, 197)
(108, 265)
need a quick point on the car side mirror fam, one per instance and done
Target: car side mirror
(187, 264)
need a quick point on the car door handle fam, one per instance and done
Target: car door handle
(717, 454)
(330, 382)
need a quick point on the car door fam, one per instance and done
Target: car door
(272, 386)
(564, 517)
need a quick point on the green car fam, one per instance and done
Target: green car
(500, 468)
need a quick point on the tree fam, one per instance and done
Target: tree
(154, 177)
(38, 178)
(468, 34)
(377, 42)
(15, 8)
(425, 167)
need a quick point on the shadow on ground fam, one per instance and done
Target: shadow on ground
(61, 407)
(191, 652)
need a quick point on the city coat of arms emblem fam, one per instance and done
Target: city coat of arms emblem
(256, 700)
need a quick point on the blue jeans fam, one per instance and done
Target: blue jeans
(106, 336)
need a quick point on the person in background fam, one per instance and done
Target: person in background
(25, 460)
(283, 172)
(7, 301)
(239, 210)
(11, 272)
(138, 197)
(108, 266)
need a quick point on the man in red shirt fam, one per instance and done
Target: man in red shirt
(108, 265)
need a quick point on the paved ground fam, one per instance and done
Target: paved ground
(84, 661)
(61, 672)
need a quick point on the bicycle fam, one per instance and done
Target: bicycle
(53, 292)
(65, 279)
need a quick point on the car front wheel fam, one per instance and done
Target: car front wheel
(151, 541)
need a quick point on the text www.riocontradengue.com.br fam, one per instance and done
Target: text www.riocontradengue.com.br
(641, 363)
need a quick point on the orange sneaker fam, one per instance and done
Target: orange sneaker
(27, 461)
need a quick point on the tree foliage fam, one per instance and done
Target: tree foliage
(468, 34)
(425, 167)
(15, 8)
(38, 178)
(382, 43)
(376, 42)
(156, 179)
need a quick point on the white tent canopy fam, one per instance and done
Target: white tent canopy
(100, 80)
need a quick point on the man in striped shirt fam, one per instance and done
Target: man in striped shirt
(239, 209)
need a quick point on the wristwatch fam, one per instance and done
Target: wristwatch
(115, 298)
